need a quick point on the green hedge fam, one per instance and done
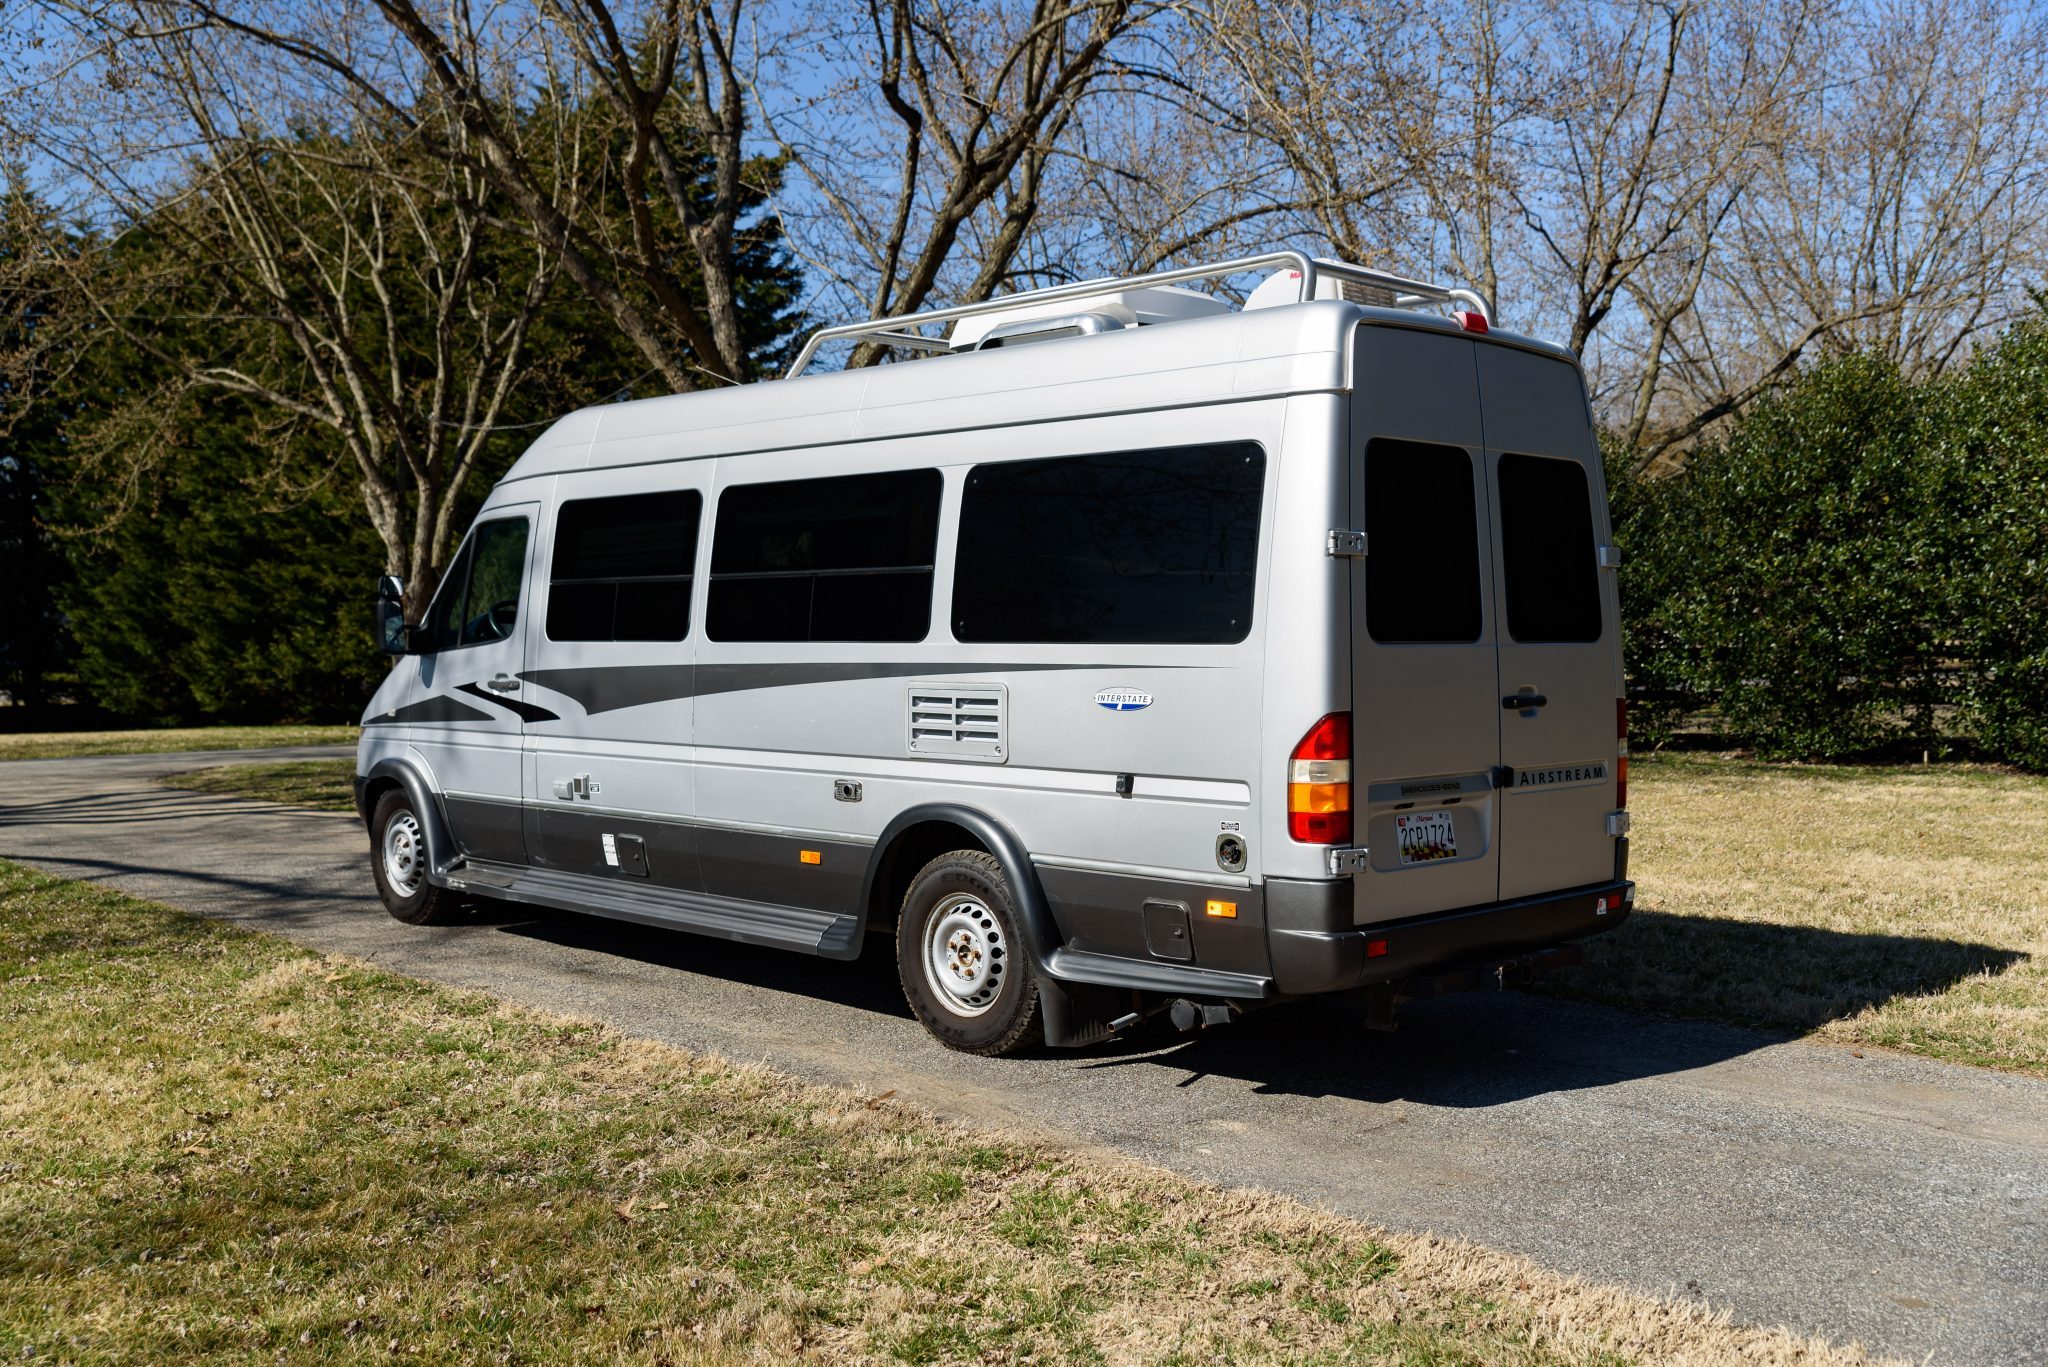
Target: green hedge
(1857, 563)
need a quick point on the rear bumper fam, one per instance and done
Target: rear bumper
(1316, 948)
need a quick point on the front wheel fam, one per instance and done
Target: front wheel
(398, 858)
(962, 963)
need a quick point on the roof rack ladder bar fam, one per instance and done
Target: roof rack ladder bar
(894, 330)
(890, 329)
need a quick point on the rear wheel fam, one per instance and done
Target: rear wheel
(960, 958)
(398, 858)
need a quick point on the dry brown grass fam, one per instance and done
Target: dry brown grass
(65, 744)
(215, 1147)
(326, 785)
(1905, 908)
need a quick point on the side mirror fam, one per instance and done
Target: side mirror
(389, 627)
(389, 589)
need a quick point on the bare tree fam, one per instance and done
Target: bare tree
(339, 275)
(1328, 91)
(1896, 206)
(939, 126)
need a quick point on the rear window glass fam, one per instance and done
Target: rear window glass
(1155, 546)
(1422, 540)
(1546, 530)
(842, 559)
(622, 567)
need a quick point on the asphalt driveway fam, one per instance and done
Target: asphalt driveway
(1898, 1201)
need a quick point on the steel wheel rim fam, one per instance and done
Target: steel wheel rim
(404, 854)
(966, 955)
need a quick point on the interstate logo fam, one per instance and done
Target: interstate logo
(1123, 699)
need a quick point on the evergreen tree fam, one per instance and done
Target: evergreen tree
(32, 637)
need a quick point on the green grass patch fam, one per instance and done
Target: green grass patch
(327, 785)
(66, 744)
(221, 1148)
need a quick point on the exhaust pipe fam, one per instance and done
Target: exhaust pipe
(1187, 1015)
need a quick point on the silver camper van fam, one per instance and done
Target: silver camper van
(1125, 653)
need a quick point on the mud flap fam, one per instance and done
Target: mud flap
(1075, 1014)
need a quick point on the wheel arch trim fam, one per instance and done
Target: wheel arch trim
(1041, 932)
(442, 852)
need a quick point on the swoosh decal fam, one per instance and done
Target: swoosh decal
(441, 707)
(611, 687)
(525, 711)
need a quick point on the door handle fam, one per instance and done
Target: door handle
(504, 683)
(1516, 702)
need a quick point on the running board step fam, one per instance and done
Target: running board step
(825, 933)
(1146, 975)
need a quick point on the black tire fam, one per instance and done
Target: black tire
(424, 904)
(1000, 1015)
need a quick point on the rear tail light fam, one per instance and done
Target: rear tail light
(1621, 754)
(1471, 320)
(1319, 783)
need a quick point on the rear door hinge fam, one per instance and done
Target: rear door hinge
(1607, 557)
(1346, 544)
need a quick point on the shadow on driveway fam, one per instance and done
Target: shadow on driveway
(1463, 1050)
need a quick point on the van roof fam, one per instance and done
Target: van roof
(1254, 354)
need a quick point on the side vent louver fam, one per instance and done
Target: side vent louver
(959, 721)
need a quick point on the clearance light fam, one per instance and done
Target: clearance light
(1621, 755)
(810, 856)
(1471, 320)
(1319, 783)
(1227, 910)
(1375, 949)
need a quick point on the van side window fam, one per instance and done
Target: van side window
(1546, 532)
(847, 558)
(495, 573)
(622, 567)
(1422, 534)
(1144, 547)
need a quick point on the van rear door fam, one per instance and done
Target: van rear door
(1557, 624)
(1426, 713)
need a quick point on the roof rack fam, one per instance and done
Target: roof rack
(899, 330)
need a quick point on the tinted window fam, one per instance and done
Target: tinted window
(841, 559)
(1546, 532)
(1422, 540)
(438, 629)
(1136, 547)
(496, 568)
(622, 567)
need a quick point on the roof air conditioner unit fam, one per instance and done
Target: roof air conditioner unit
(1106, 312)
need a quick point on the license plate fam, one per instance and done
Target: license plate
(1422, 837)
